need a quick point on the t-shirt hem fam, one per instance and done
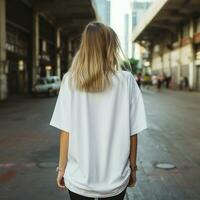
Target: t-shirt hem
(82, 192)
(59, 127)
(138, 130)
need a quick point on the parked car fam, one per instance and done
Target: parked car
(47, 85)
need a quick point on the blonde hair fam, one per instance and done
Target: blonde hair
(96, 59)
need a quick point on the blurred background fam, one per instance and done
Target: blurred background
(161, 43)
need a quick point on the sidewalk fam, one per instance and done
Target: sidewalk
(29, 149)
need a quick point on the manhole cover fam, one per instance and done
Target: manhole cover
(47, 164)
(165, 166)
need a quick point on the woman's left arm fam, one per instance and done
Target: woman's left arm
(64, 143)
(63, 157)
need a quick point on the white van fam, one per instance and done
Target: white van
(47, 85)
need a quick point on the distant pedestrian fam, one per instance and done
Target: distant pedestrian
(181, 84)
(100, 111)
(159, 82)
(139, 79)
(167, 80)
(154, 80)
(146, 80)
(186, 83)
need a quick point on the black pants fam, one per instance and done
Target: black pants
(75, 196)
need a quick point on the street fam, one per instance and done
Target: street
(29, 149)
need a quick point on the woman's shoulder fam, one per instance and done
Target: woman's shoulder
(126, 73)
(65, 80)
(128, 76)
(132, 83)
(66, 75)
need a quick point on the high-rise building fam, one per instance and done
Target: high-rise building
(118, 15)
(126, 33)
(138, 10)
(103, 10)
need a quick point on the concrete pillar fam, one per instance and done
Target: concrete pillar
(179, 68)
(58, 58)
(179, 62)
(36, 67)
(69, 51)
(192, 67)
(170, 62)
(162, 62)
(3, 63)
(162, 57)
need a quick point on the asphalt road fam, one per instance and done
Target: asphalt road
(29, 149)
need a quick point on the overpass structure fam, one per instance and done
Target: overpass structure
(170, 30)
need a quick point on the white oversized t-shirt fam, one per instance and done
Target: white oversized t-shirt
(100, 126)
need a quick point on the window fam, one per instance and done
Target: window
(197, 25)
(40, 82)
(50, 80)
(185, 30)
(134, 19)
(16, 42)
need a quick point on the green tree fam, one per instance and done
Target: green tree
(130, 65)
(133, 62)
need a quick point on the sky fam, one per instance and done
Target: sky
(118, 9)
(117, 20)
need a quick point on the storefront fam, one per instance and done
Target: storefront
(197, 64)
(197, 51)
(18, 47)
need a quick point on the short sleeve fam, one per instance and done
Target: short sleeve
(61, 116)
(138, 120)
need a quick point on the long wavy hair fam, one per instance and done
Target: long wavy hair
(96, 60)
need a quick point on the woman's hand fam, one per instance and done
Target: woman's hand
(132, 180)
(60, 180)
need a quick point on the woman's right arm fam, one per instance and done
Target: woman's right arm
(133, 150)
(133, 159)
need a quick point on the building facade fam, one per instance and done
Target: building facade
(37, 40)
(172, 31)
